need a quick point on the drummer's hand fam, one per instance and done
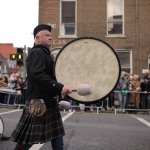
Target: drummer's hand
(66, 90)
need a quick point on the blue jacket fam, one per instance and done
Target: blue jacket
(121, 82)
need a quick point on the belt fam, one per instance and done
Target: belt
(48, 102)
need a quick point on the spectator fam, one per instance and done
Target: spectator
(82, 107)
(20, 90)
(116, 99)
(20, 84)
(73, 104)
(11, 84)
(123, 86)
(135, 95)
(3, 81)
(128, 104)
(111, 99)
(14, 76)
(148, 94)
(92, 107)
(144, 89)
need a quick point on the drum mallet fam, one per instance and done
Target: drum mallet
(64, 105)
(83, 89)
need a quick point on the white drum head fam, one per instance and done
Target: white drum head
(88, 61)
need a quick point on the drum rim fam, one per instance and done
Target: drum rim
(119, 65)
(3, 128)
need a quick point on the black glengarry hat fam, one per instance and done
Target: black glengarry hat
(41, 27)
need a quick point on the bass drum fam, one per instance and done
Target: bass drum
(90, 61)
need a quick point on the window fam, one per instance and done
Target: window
(125, 58)
(68, 17)
(11, 64)
(115, 17)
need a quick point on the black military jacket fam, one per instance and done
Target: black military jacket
(40, 74)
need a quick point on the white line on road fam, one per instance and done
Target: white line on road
(67, 116)
(144, 121)
(38, 146)
(10, 112)
(141, 120)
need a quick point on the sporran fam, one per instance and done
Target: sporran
(37, 107)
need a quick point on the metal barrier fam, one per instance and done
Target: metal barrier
(6, 101)
(114, 108)
(144, 96)
(7, 95)
(10, 92)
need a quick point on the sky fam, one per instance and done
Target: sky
(17, 21)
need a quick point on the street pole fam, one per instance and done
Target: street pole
(24, 63)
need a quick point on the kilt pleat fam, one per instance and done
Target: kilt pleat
(27, 130)
(33, 130)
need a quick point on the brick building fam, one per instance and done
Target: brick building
(124, 24)
(7, 66)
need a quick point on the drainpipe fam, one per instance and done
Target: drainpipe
(137, 37)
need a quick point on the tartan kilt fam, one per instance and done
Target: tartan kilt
(34, 130)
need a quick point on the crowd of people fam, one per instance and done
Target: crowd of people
(14, 82)
(132, 92)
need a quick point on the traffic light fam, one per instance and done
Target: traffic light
(20, 57)
(13, 56)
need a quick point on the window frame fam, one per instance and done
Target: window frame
(60, 32)
(123, 22)
(131, 62)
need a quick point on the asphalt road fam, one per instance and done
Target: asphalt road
(91, 131)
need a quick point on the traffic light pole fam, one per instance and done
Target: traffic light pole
(24, 62)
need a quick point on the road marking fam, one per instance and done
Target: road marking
(38, 146)
(10, 112)
(67, 116)
(144, 121)
(141, 120)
